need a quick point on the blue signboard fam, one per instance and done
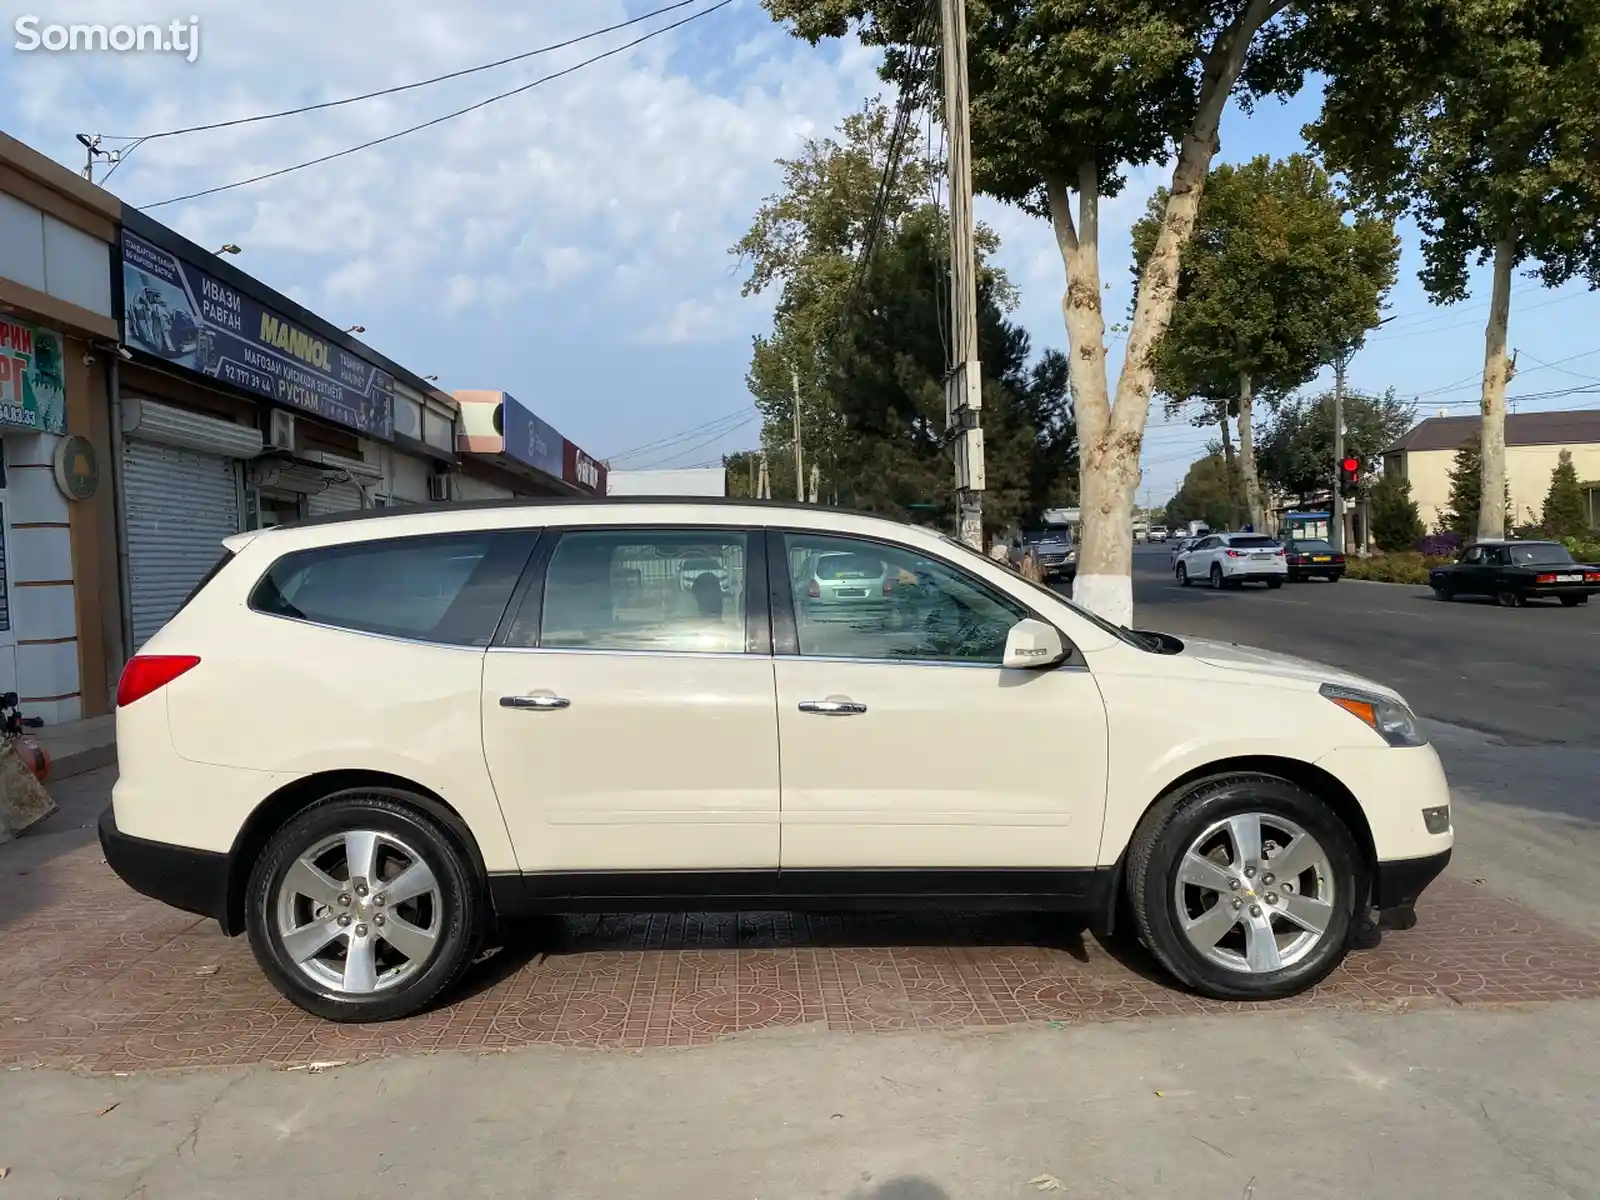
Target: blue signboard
(179, 313)
(528, 439)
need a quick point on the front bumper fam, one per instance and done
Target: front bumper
(194, 880)
(1399, 882)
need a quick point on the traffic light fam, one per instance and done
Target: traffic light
(1349, 475)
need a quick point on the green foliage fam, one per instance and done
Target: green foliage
(1583, 551)
(1205, 494)
(1479, 119)
(1402, 566)
(1566, 509)
(1396, 523)
(1295, 454)
(1275, 275)
(1466, 488)
(870, 348)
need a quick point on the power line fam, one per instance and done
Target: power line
(1418, 332)
(460, 112)
(736, 417)
(718, 435)
(405, 87)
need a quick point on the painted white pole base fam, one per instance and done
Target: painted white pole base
(1107, 596)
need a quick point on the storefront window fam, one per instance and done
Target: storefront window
(439, 431)
(407, 417)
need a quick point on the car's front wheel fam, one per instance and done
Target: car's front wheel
(1245, 887)
(363, 908)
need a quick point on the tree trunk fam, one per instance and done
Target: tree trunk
(1247, 455)
(1110, 440)
(1492, 431)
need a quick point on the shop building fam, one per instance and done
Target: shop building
(58, 649)
(239, 409)
(507, 450)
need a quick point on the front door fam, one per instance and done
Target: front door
(904, 743)
(628, 718)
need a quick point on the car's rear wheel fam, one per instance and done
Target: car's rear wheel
(1245, 887)
(1573, 601)
(1274, 584)
(1216, 576)
(362, 908)
(1183, 575)
(1510, 598)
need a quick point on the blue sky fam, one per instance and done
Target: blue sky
(569, 245)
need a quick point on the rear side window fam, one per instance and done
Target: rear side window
(450, 588)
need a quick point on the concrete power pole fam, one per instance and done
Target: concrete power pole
(799, 465)
(964, 385)
(1341, 359)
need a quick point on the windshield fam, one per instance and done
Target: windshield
(1539, 552)
(848, 566)
(1119, 632)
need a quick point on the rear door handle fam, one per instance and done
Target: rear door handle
(537, 702)
(833, 708)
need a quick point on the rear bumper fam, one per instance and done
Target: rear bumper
(1400, 881)
(1551, 592)
(194, 880)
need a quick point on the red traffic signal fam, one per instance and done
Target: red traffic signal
(1349, 475)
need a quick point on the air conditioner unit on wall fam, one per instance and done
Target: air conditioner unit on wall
(438, 487)
(280, 430)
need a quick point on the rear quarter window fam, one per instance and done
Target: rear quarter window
(450, 588)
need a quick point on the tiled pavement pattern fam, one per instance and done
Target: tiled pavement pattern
(94, 977)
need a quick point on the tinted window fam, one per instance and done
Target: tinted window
(1539, 552)
(1251, 543)
(1313, 546)
(451, 588)
(634, 589)
(908, 607)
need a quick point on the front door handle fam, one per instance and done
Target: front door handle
(538, 702)
(833, 708)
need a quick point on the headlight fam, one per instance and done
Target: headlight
(1393, 721)
(1072, 556)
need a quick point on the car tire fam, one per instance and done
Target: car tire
(1440, 592)
(1509, 598)
(1335, 578)
(1183, 575)
(1573, 601)
(443, 924)
(1206, 812)
(1274, 584)
(1216, 576)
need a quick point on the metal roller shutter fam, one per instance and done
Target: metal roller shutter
(338, 498)
(181, 504)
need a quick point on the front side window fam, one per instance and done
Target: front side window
(448, 588)
(858, 599)
(645, 589)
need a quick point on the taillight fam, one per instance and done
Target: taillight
(888, 586)
(813, 590)
(1592, 577)
(146, 673)
(1278, 553)
(1338, 558)
(1545, 579)
(1235, 554)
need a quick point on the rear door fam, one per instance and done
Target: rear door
(628, 707)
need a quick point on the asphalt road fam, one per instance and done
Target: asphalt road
(1529, 675)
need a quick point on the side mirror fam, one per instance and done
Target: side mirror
(1033, 644)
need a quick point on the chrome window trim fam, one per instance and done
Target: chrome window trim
(870, 662)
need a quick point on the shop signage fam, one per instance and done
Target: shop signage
(530, 440)
(179, 313)
(33, 385)
(579, 469)
(77, 468)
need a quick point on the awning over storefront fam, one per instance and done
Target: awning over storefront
(496, 427)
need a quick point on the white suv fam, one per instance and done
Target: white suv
(1233, 560)
(364, 740)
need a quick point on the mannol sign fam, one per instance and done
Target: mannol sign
(179, 313)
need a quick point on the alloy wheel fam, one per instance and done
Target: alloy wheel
(1254, 893)
(359, 912)
(1216, 576)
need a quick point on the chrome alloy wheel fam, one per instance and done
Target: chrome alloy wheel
(1254, 893)
(359, 912)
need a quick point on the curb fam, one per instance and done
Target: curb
(81, 762)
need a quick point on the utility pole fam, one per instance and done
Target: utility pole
(963, 385)
(1341, 359)
(799, 465)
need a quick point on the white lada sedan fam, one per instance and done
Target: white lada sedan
(361, 741)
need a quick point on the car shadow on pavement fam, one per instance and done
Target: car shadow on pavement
(904, 1188)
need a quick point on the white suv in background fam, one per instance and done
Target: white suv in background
(484, 711)
(1233, 560)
